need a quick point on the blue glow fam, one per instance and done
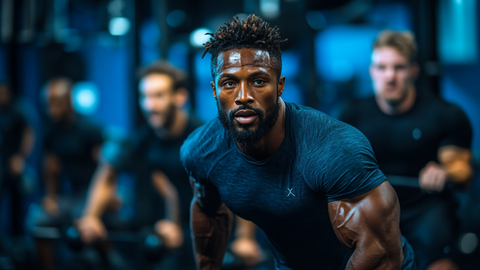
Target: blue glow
(457, 36)
(343, 54)
(119, 26)
(85, 98)
(198, 37)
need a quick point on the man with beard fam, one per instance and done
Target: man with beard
(421, 136)
(308, 181)
(71, 144)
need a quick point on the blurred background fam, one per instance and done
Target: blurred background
(100, 44)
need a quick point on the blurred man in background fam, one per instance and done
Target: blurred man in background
(71, 146)
(415, 134)
(155, 145)
(16, 143)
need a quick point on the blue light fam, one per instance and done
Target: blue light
(457, 36)
(119, 26)
(85, 98)
(198, 37)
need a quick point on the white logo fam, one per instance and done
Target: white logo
(290, 192)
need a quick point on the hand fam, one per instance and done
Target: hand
(50, 205)
(91, 229)
(443, 264)
(17, 164)
(248, 250)
(432, 177)
(170, 232)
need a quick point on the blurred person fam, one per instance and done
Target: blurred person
(310, 182)
(16, 143)
(156, 144)
(71, 144)
(415, 134)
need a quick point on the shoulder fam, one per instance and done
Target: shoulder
(315, 129)
(203, 147)
(447, 111)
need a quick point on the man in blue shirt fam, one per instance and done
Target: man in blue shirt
(310, 182)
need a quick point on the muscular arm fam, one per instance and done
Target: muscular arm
(211, 223)
(369, 223)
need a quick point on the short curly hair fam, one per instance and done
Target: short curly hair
(253, 33)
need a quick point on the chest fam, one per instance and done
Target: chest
(401, 136)
(272, 192)
(71, 145)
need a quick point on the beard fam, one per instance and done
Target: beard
(243, 134)
(169, 116)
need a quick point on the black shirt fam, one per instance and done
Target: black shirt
(73, 144)
(404, 144)
(146, 150)
(319, 161)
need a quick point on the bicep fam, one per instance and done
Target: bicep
(369, 223)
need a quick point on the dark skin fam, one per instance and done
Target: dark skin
(368, 223)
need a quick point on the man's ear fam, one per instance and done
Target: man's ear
(181, 97)
(213, 90)
(281, 85)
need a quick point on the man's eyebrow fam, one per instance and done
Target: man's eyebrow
(227, 75)
(259, 73)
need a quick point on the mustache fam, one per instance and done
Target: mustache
(258, 111)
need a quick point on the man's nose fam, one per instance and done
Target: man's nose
(390, 74)
(244, 96)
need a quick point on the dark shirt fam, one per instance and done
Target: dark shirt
(404, 144)
(156, 154)
(320, 160)
(12, 127)
(74, 144)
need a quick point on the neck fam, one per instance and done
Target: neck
(269, 144)
(177, 128)
(404, 106)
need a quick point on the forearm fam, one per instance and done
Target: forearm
(169, 194)
(210, 233)
(102, 191)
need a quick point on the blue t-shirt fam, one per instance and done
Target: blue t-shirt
(320, 160)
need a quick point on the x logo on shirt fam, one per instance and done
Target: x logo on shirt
(290, 192)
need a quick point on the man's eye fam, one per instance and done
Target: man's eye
(228, 84)
(258, 82)
(381, 67)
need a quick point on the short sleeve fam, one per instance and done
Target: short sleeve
(459, 132)
(348, 165)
